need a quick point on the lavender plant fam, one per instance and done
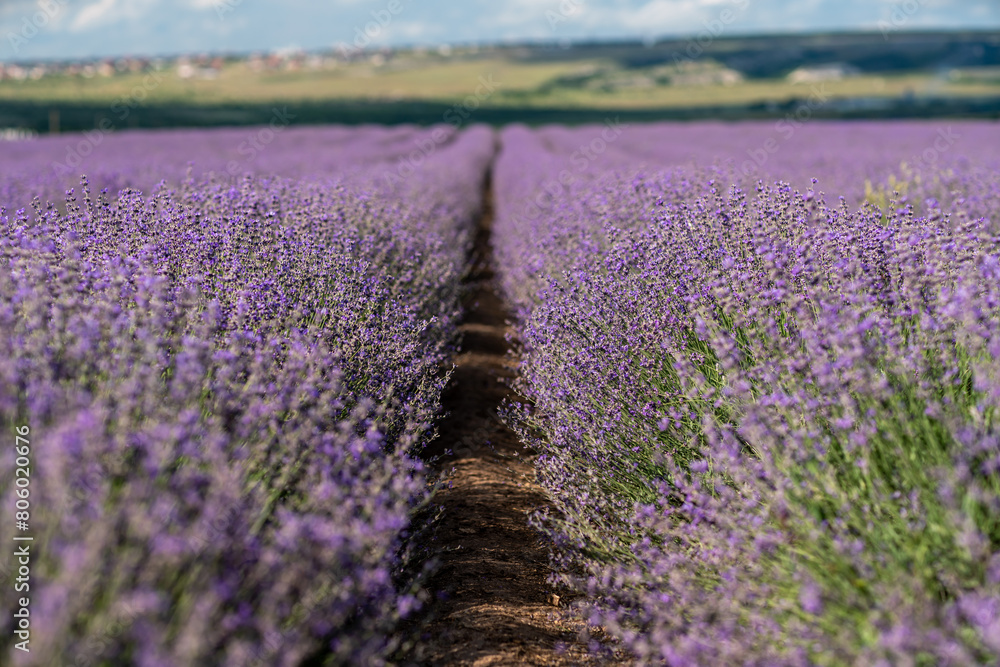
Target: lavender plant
(227, 381)
(768, 424)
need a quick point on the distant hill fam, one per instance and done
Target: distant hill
(880, 74)
(764, 57)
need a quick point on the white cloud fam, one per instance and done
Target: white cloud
(520, 12)
(216, 5)
(411, 29)
(103, 12)
(655, 16)
(92, 27)
(94, 14)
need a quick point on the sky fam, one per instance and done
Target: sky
(66, 29)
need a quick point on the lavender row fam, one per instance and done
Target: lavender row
(578, 174)
(140, 159)
(768, 422)
(227, 380)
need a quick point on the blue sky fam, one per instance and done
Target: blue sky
(47, 29)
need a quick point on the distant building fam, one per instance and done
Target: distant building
(185, 70)
(16, 134)
(820, 73)
(707, 77)
(16, 72)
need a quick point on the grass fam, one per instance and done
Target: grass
(431, 81)
(576, 83)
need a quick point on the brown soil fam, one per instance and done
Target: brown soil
(494, 605)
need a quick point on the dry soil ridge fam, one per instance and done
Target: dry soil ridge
(493, 603)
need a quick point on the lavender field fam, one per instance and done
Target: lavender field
(763, 378)
(758, 370)
(227, 381)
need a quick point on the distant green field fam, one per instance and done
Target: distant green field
(580, 83)
(760, 77)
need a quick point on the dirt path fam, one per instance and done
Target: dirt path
(494, 605)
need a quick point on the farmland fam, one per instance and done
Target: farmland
(702, 393)
(764, 391)
(913, 74)
(227, 381)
